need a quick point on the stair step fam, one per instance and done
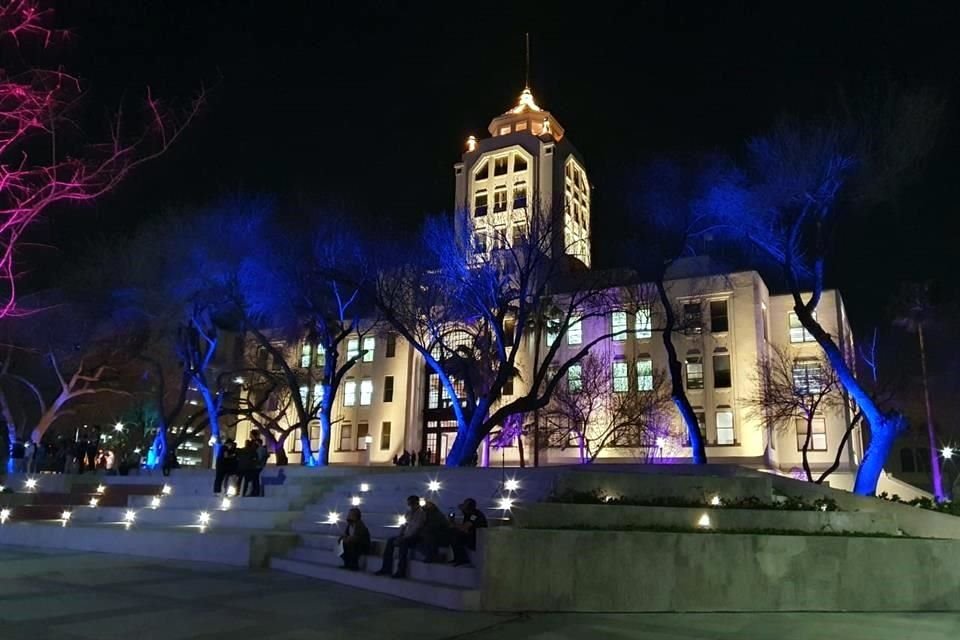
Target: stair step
(439, 595)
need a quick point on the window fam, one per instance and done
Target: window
(353, 348)
(363, 430)
(350, 393)
(433, 393)
(519, 195)
(718, 316)
(317, 394)
(701, 425)
(483, 172)
(725, 427)
(388, 389)
(499, 199)
(575, 331)
(303, 394)
(692, 318)
(644, 374)
(480, 242)
(643, 328)
(520, 126)
(480, 204)
(907, 463)
(575, 378)
(504, 130)
(306, 355)
(765, 322)
(346, 437)
(391, 345)
(807, 377)
(694, 372)
(818, 440)
(519, 162)
(721, 371)
(797, 331)
(369, 345)
(618, 325)
(519, 234)
(500, 166)
(553, 330)
(366, 392)
(621, 380)
(385, 436)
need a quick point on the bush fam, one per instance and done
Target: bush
(789, 503)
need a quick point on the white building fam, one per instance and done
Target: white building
(732, 321)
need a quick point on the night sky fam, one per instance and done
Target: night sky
(368, 108)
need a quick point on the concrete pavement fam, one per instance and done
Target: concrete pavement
(71, 595)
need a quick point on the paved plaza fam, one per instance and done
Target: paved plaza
(73, 595)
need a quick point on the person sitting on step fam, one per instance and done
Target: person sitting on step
(410, 536)
(355, 540)
(465, 532)
(436, 531)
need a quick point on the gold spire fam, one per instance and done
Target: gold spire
(525, 103)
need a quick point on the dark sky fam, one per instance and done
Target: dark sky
(369, 107)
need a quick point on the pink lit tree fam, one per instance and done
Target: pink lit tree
(44, 157)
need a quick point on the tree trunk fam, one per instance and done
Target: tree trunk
(158, 449)
(323, 450)
(806, 447)
(884, 428)
(935, 472)
(583, 448)
(677, 391)
(523, 462)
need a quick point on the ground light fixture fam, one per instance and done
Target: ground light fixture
(65, 517)
(661, 442)
(423, 502)
(364, 487)
(94, 502)
(203, 519)
(512, 484)
(225, 504)
(401, 520)
(231, 491)
(166, 490)
(333, 517)
(4, 515)
(212, 441)
(704, 521)
(30, 484)
(505, 504)
(947, 452)
(118, 427)
(355, 501)
(715, 501)
(2, 488)
(130, 516)
(101, 489)
(434, 486)
(155, 502)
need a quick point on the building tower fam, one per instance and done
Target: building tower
(527, 167)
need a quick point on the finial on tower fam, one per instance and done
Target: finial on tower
(526, 78)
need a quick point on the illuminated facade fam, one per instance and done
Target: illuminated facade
(391, 402)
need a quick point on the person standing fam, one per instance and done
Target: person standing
(410, 535)
(226, 458)
(355, 540)
(260, 460)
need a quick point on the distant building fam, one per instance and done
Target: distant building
(731, 321)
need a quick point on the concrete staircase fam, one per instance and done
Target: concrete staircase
(381, 497)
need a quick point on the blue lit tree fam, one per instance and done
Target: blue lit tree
(787, 200)
(471, 311)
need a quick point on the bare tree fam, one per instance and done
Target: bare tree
(470, 300)
(588, 412)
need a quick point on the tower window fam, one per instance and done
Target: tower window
(483, 172)
(520, 126)
(519, 163)
(500, 199)
(480, 204)
(504, 130)
(519, 195)
(500, 166)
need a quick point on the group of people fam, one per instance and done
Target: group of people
(425, 529)
(240, 467)
(63, 455)
(412, 459)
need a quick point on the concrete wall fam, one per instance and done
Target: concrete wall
(538, 570)
(593, 516)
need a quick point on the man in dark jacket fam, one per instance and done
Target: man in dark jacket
(465, 532)
(355, 540)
